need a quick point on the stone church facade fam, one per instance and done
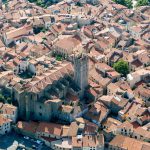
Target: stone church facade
(40, 98)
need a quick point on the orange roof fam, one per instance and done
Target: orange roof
(3, 120)
(50, 128)
(8, 109)
(28, 126)
(18, 32)
(125, 142)
(47, 78)
(113, 73)
(68, 43)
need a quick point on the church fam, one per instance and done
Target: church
(40, 98)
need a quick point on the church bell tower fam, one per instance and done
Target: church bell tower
(81, 72)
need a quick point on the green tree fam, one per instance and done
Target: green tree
(9, 100)
(59, 58)
(142, 3)
(122, 67)
(2, 98)
(127, 3)
(41, 3)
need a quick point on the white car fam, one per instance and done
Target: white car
(32, 140)
(26, 137)
(38, 142)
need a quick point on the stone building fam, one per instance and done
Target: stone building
(34, 98)
(81, 72)
(40, 98)
(9, 111)
(5, 125)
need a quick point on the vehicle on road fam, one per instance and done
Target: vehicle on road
(26, 137)
(38, 142)
(33, 146)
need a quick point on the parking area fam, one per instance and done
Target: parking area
(14, 141)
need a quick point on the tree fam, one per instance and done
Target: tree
(122, 67)
(9, 100)
(4, 1)
(59, 58)
(38, 2)
(119, 2)
(127, 3)
(142, 3)
(2, 98)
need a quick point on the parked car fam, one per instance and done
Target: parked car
(38, 142)
(32, 140)
(26, 137)
(33, 146)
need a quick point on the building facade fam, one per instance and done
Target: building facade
(81, 72)
(39, 99)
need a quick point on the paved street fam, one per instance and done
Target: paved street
(12, 141)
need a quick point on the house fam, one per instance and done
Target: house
(9, 111)
(67, 46)
(125, 129)
(15, 35)
(106, 99)
(47, 21)
(97, 113)
(141, 134)
(46, 130)
(123, 142)
(58, 28)
(112, 89)
(118, 103)
(52, 130)
(143, 92)
(121, 88)
(135, 31)
(85, 127)
(102, 44)
(107, 71)
(96, 55)
(125, 43)
(137, 76)
(103, 68)
(94, 142)
(109, 127)
(133, 130)
(65, 141)
(143, 57)
(84, 20)
(130, 111)
(123, 85)
(144, 118)
(113, 56)
(94, 91)
(65, 113)
(136, 64)
(114, 75)
(27, 128)
(96, 77)
(38, 22)
(5, 125)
